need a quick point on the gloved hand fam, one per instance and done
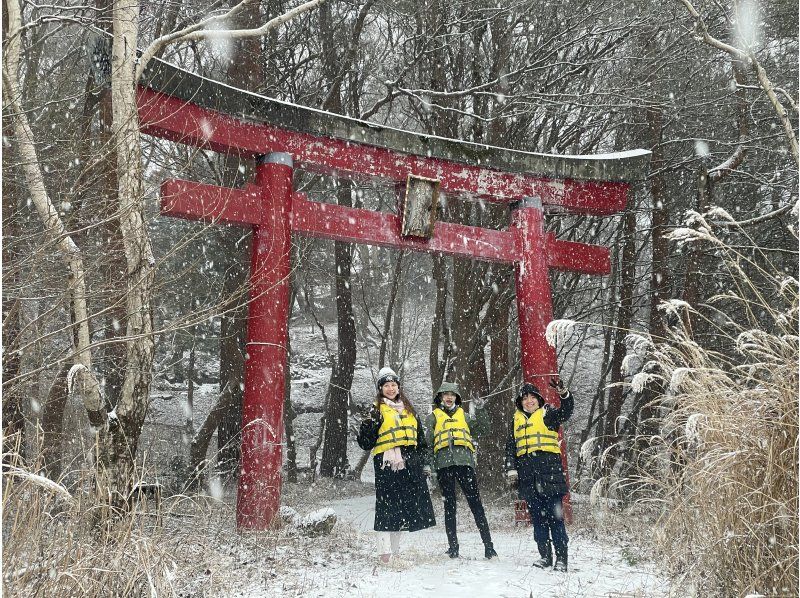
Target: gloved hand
(559, 386)
(374, 414)
(479, 403)
(512, 478)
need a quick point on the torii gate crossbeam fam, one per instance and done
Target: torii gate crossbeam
(183, 107)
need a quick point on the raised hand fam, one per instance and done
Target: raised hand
(556, 383)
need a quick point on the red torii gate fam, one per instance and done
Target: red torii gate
(184, 107)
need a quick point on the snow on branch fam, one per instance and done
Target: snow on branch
(640, 380)
(41, 481)
(673, 306)
(677, 378)
(558, 331)
(687, 235)
(641, 344)
(630, 362)
(73, 372)
(756, 219)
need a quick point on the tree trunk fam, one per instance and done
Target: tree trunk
(233, 332)
(397, 321)
(190, 375)
(53, 424)
(463, 324)
(386, 337)
(134, 398)
(440, 330)
(13, 417)
(288, 423)
(83, 378)
(334, 453)
(698, 269)
(499, 407)
(112, 264)
(627, 281)
(201, 440)
(245, 72)
(661, 274)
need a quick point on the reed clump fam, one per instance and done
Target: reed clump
(722, 468)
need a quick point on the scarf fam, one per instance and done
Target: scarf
(393, 458)
(396, 405)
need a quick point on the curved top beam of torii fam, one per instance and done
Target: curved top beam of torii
(185, 107)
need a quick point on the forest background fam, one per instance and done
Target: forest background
(685, 356)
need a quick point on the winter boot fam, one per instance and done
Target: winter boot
(561, 561)
(452, 552)
(546, 557)
(490, 551)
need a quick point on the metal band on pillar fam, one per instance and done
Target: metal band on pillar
(276, 158)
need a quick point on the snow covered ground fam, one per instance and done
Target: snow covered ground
(214, 560)
(343, 564)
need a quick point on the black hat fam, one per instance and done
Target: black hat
(528, 389)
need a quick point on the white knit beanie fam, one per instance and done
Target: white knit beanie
(387, 374)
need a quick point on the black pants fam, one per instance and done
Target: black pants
(547, 516)
(465, 476)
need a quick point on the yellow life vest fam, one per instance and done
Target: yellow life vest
(451, 430)
(530, 434)
(397, 429)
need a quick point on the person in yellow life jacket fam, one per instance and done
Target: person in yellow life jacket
(394, 434)
(533, 460)
(451, 441)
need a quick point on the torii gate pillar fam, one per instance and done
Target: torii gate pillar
(535, 308)
(534, 300)
(266, 352)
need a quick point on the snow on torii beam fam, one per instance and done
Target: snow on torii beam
(190, 109)
(186, 108)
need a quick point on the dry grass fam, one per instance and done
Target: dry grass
(724, 468)
(55, 543)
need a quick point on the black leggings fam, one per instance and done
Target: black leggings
(465, 476)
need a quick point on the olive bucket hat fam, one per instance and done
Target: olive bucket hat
(447, 387)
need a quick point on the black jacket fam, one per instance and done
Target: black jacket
(402, 499)
(541, 470)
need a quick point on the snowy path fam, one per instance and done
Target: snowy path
(345, 565)
(596, 570)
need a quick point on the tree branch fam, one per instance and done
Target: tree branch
(701, 32)
(751, 221)
(200, 31)
(54, 226)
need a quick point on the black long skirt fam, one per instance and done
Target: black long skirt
(402, 499)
